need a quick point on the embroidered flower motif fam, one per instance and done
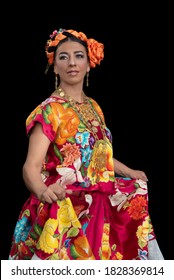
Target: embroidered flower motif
(66, 216)
(47, 241)
(71, 153)
(22, 228)
(105, 246)
(143, 232)
(66, 116)
(81, 249)
(70, 175)
(137, 207)
(100, 168)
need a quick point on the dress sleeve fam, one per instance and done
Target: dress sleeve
(45, 114)
(98, 109)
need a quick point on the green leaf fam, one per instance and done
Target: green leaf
(66, 105)
(81, 127)
(45, 116)
(58, 153)
(72, 232)
(54, 257)
(32, 250)
(29, 243)
(114, 247)
(71, 140)
(33, 235)
(56, 236)
(48, 109)
(74, 253)
(38, 229)
(65, 229)
(82, 170)
(136, 185)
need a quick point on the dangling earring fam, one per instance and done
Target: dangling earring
(56, 81)
(87, 79)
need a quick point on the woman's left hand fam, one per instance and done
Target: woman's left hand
(138, 174)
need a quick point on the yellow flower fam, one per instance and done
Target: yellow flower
(47, 242)
(105, 248)
(67, 216)
(142, 233)
(101, 167)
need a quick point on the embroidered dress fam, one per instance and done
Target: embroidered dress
(105, 217)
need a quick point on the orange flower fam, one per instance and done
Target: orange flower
(71, 153)
(95, 49)
(68, 122)
(137, 208)
(83, 249)
(95, 52)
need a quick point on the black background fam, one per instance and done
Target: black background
(131, 85)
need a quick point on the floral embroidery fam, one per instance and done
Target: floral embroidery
(70, 175)
(71, 153)
(47, 242)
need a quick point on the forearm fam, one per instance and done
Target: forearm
(33, 180)
(124, 171)
(121, 169)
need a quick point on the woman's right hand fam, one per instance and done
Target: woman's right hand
(52, 193)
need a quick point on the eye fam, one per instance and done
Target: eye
(63, 56)
(79, 55)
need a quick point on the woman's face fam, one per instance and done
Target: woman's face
(71, 62)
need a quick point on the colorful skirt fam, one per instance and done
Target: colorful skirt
(87, 225)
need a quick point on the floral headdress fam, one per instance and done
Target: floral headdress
(95, 49)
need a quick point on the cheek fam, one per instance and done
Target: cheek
(84, 66)
(60, 67)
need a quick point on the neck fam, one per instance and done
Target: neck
(71, 96)
(73, 91)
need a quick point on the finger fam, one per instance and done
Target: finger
(69, 191)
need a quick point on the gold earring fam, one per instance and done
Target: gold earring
(87, 79)
(56, 81)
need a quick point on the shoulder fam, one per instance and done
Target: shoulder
(45, 114)
(94, 102)
(51, 99)
(97, 107)
(44, 105)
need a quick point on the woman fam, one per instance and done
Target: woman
(78, 208)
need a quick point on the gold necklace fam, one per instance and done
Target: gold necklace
(86, 113)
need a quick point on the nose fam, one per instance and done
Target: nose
(72, 61)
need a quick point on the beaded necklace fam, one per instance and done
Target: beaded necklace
(86, 113)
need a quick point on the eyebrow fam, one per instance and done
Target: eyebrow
(74, 52)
